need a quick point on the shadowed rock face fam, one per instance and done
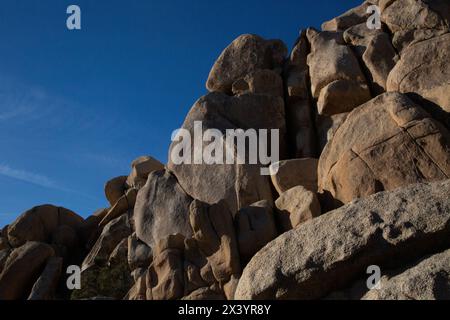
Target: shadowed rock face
(22, 268)
(429, 279)
(363, 119)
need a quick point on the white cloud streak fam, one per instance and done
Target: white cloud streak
(30, 177)
(39, 180)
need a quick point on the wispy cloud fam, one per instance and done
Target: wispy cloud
(27, 104)
(30, 177)
(38, 180)
(106, 160)
(17, 112)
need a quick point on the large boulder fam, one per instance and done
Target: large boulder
(39, 223)
(411, 21)
(429, 279)
(22, 268)
(337, 80)
(423, 69)
(246, 54)
(330, 252)
(212, 180)
(387, 143)
(162, 209)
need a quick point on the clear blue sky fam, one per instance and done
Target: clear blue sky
(76, 107)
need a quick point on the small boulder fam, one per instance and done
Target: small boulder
(296, 206)
(140, 169)
(287, 174)
(115, 188)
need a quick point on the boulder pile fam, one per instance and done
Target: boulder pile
(363, 179)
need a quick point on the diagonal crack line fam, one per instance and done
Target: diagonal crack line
(424, 152)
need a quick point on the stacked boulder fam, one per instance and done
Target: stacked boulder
(363, 179)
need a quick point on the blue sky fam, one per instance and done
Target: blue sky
(76, 107)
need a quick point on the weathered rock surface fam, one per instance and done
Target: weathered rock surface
(215, 236)
(162, 209)
(327, 127)
(375, 52)
(45, 286)
(246, 54)
(296, 206)
(166, 272)
(329, 252)
(348, 19)
(427, 280)
(260, 82)
(423, 69)
(405, 17)
(111, 236)
(22, 268)
(358, 111)
(39, 223)
(139, 254)
(387, 143)
(287, 174)
(239, 184)
(123, 205)
(115, 189)
(337, 80)
(139, 289)
(140, 169)
(204, 266)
